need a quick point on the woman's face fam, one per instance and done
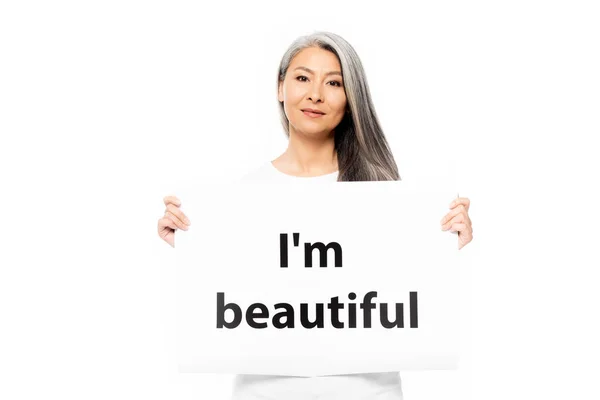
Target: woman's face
(313, 81)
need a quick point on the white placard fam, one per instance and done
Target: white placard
(251, 300)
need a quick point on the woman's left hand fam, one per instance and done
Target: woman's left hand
(457, 220)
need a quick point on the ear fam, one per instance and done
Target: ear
(280, 92)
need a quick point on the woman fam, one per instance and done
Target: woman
(334, 135)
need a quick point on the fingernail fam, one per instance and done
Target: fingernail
(187, 221)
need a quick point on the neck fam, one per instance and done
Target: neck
(309, 156)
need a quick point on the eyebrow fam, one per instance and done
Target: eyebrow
(312, 72)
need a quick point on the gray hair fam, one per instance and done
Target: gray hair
(362, 149)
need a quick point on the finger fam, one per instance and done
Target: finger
(175, 210)
(464, 238)
(456, 219)
(171, 200)
(458, 227)
(176, 220)
(166, 223)
(460, 209)
(461, 200)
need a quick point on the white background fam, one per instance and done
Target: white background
(105, 106)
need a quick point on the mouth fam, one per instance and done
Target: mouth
(312, 113)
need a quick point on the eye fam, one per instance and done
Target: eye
(301, 78)
(336, 83)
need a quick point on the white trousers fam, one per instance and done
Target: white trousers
(375, 386)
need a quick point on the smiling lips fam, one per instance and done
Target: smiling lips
(310, 112)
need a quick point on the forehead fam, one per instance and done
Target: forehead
(316, 59)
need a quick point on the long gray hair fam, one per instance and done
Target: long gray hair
(362, 149)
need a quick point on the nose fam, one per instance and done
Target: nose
(315, 94)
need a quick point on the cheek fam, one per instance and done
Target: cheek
(292, 97)
(340, 105)
(293, 94)
(289, 107)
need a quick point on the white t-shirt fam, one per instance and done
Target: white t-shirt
(268, 173)
(374, 386)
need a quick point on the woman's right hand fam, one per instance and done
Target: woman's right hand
(173, 219)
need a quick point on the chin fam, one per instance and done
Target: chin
(313, 131)
(311, 128)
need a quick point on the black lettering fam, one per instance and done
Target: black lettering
(367, 306)
(308, 249)
(398, 322)
(414, 315)
(318, 322)
(352, 311)
(222, 307)
(288, 314)
(251, 315)
(334, 305)
(283, 250)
